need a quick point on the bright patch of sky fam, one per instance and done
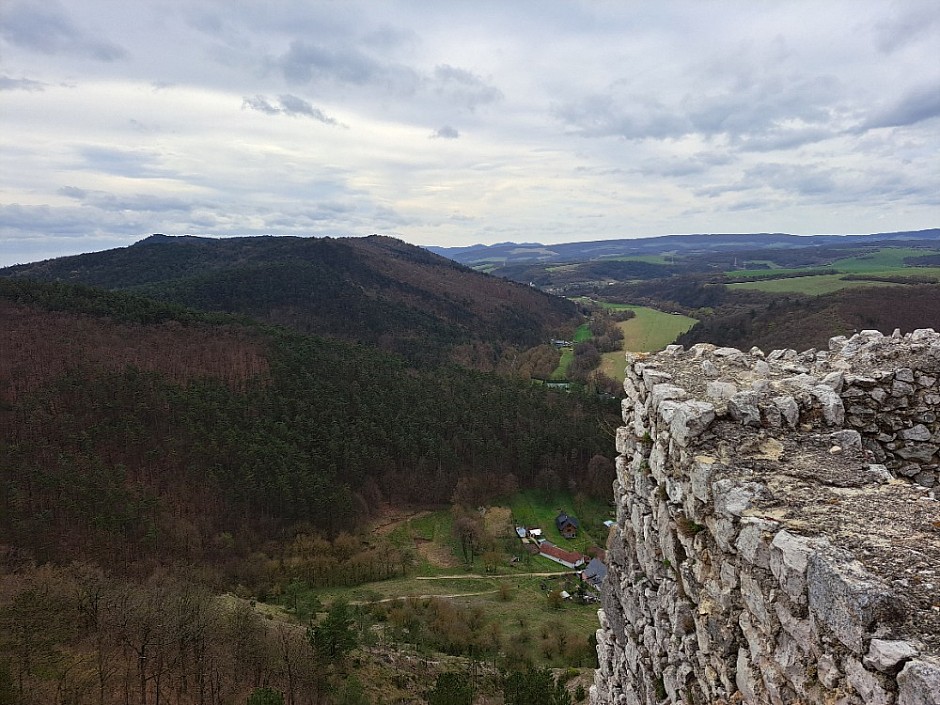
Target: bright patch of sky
(455, 123)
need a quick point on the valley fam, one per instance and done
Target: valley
(327, 448)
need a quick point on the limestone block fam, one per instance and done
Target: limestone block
(835, 380)
(847, 438)
(846, 598)
(700, 476)
(919, 683)
(688, 419)
(651, 377)
(789, 558)
(748, 684)
(901, 389)
(788, 409)
(661, 392)
(744, 409)
(827, 670)
(733, 498)
(919, 432)
(832, 408)
(866, 684)
(724, 532)
(753, 597)
(800, 629)
(624, 441)
(753, 543)
(886, 655)
(922, 452)
(720, 391)
(905, 374)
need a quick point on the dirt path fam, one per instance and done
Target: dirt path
(422, 597)
(392, 519)
(490, 577)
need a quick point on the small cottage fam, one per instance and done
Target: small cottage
(567, 525)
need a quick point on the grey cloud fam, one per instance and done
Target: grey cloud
(917, 106)
(73, 192)
(141, 202)
(446, 132)
(122, 162)
(305, 62)
(757, 115)
(261, 104)
(46, 28)
(785, 138)
(899, 31)
(71, 221)
(287, 105)
(464, 87)
(599, 116)
(795, 179)
(292, 105)
(20, 84)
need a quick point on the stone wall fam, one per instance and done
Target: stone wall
(778, 529)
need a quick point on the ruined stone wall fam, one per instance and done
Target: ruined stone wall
(778, 529)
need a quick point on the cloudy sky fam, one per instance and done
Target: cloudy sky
(457, 122)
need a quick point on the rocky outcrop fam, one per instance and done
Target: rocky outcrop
(778, 527)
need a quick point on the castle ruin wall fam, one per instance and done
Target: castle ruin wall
(778, 527)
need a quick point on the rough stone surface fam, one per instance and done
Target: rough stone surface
(755, 563)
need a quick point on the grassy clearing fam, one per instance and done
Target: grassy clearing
(561, 372)
(538, 509)
(649, 259)
(889, 259)
(814, 286)
(886, 262)
(652, 330)
(514, 602)
(581, 333)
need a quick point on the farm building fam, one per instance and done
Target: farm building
(594, 573)
(569, 559)
(567, 525)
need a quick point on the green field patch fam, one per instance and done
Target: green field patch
(561, 372)
(537, 509)
(648, 259)
(813, 286)
(582, 333)
(884, 261)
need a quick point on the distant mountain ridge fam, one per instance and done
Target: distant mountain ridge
(518, 253)
(374, 290)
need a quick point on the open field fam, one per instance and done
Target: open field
(533, 508)
(813, 286)
(581, 333)
(648, 331)
(886, 262)
(513, 598)
(881, 261)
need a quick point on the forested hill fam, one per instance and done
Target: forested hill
(375, 290)
(132, 430)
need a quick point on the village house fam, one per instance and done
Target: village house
(567, 525)
(594, 573)
(569, 559)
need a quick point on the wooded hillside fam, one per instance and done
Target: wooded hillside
(137, 431)
(375, 290)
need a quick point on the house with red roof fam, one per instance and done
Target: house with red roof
(569, 559)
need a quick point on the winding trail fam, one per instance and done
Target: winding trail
(491, 577)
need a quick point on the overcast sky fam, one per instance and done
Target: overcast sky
(457, 122)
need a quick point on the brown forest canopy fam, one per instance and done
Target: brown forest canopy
(161, 431)
(376, 290)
